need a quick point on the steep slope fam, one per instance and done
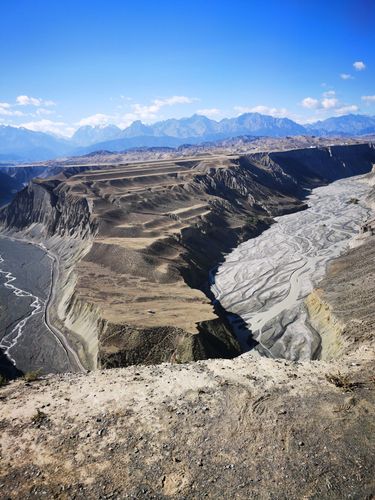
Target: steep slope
(214, 428)
(8, 187)
(136, 243)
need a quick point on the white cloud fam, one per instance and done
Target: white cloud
(146, 113)
(346, 76)
(344, 110)
(329, 102)
(6, 110)
(359, 65)
(24, 100)
(97, 120)
(44, 112)
(210, 112)
(310, 103)
(368, 98)
(265, 110)
(149, 112)
(57, 128)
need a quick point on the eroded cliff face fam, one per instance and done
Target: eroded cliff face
(342, 310)
(135, 244)
(324, 320)
(51, 205)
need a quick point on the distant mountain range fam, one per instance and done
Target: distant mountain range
(20, 144)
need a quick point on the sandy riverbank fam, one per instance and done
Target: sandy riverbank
(266, 279)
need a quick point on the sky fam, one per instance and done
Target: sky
(64, 64)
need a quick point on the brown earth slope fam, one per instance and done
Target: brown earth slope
(135, 243)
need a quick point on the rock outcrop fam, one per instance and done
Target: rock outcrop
(341, 310)
(135, 243)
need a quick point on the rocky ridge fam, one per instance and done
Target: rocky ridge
(135, 243)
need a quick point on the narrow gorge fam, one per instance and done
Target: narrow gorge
(134, 243)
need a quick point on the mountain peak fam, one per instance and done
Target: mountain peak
(90, 134)
(31, 145)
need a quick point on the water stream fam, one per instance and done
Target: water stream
(10, 339)
(263, 282)
(26, 341)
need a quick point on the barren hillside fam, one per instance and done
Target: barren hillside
(134, 244)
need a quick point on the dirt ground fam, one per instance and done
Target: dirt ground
(245, 428)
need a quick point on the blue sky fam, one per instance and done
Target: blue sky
(68, 63)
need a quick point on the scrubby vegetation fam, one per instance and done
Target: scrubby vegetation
(31, 376)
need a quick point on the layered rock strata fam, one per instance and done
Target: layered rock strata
(134, 244)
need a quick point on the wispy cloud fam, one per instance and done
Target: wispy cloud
(328, 103)
(346, 76)
(6, 110)
(310, 103)
(344, 110)
(209, 112)
(44, 112)
(149, 112)
(329, 93)
(265, 110)
(97, 120)
(57, 128)
(24, 100)
(369, 99)
(359, 65)
(144, 112)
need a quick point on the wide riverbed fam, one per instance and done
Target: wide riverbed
(263, 282)
(25, 285)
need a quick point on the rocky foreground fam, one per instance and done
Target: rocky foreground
(250, 427)
(244, 428)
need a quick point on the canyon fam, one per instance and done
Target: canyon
(133, 243)
(265, 280)
(132, 247)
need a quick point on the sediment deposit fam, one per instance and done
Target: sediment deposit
(134, 244)
(265, 280)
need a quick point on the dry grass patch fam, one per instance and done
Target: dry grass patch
(341, 380)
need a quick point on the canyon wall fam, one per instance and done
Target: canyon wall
(341, 309)
(135, 243)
